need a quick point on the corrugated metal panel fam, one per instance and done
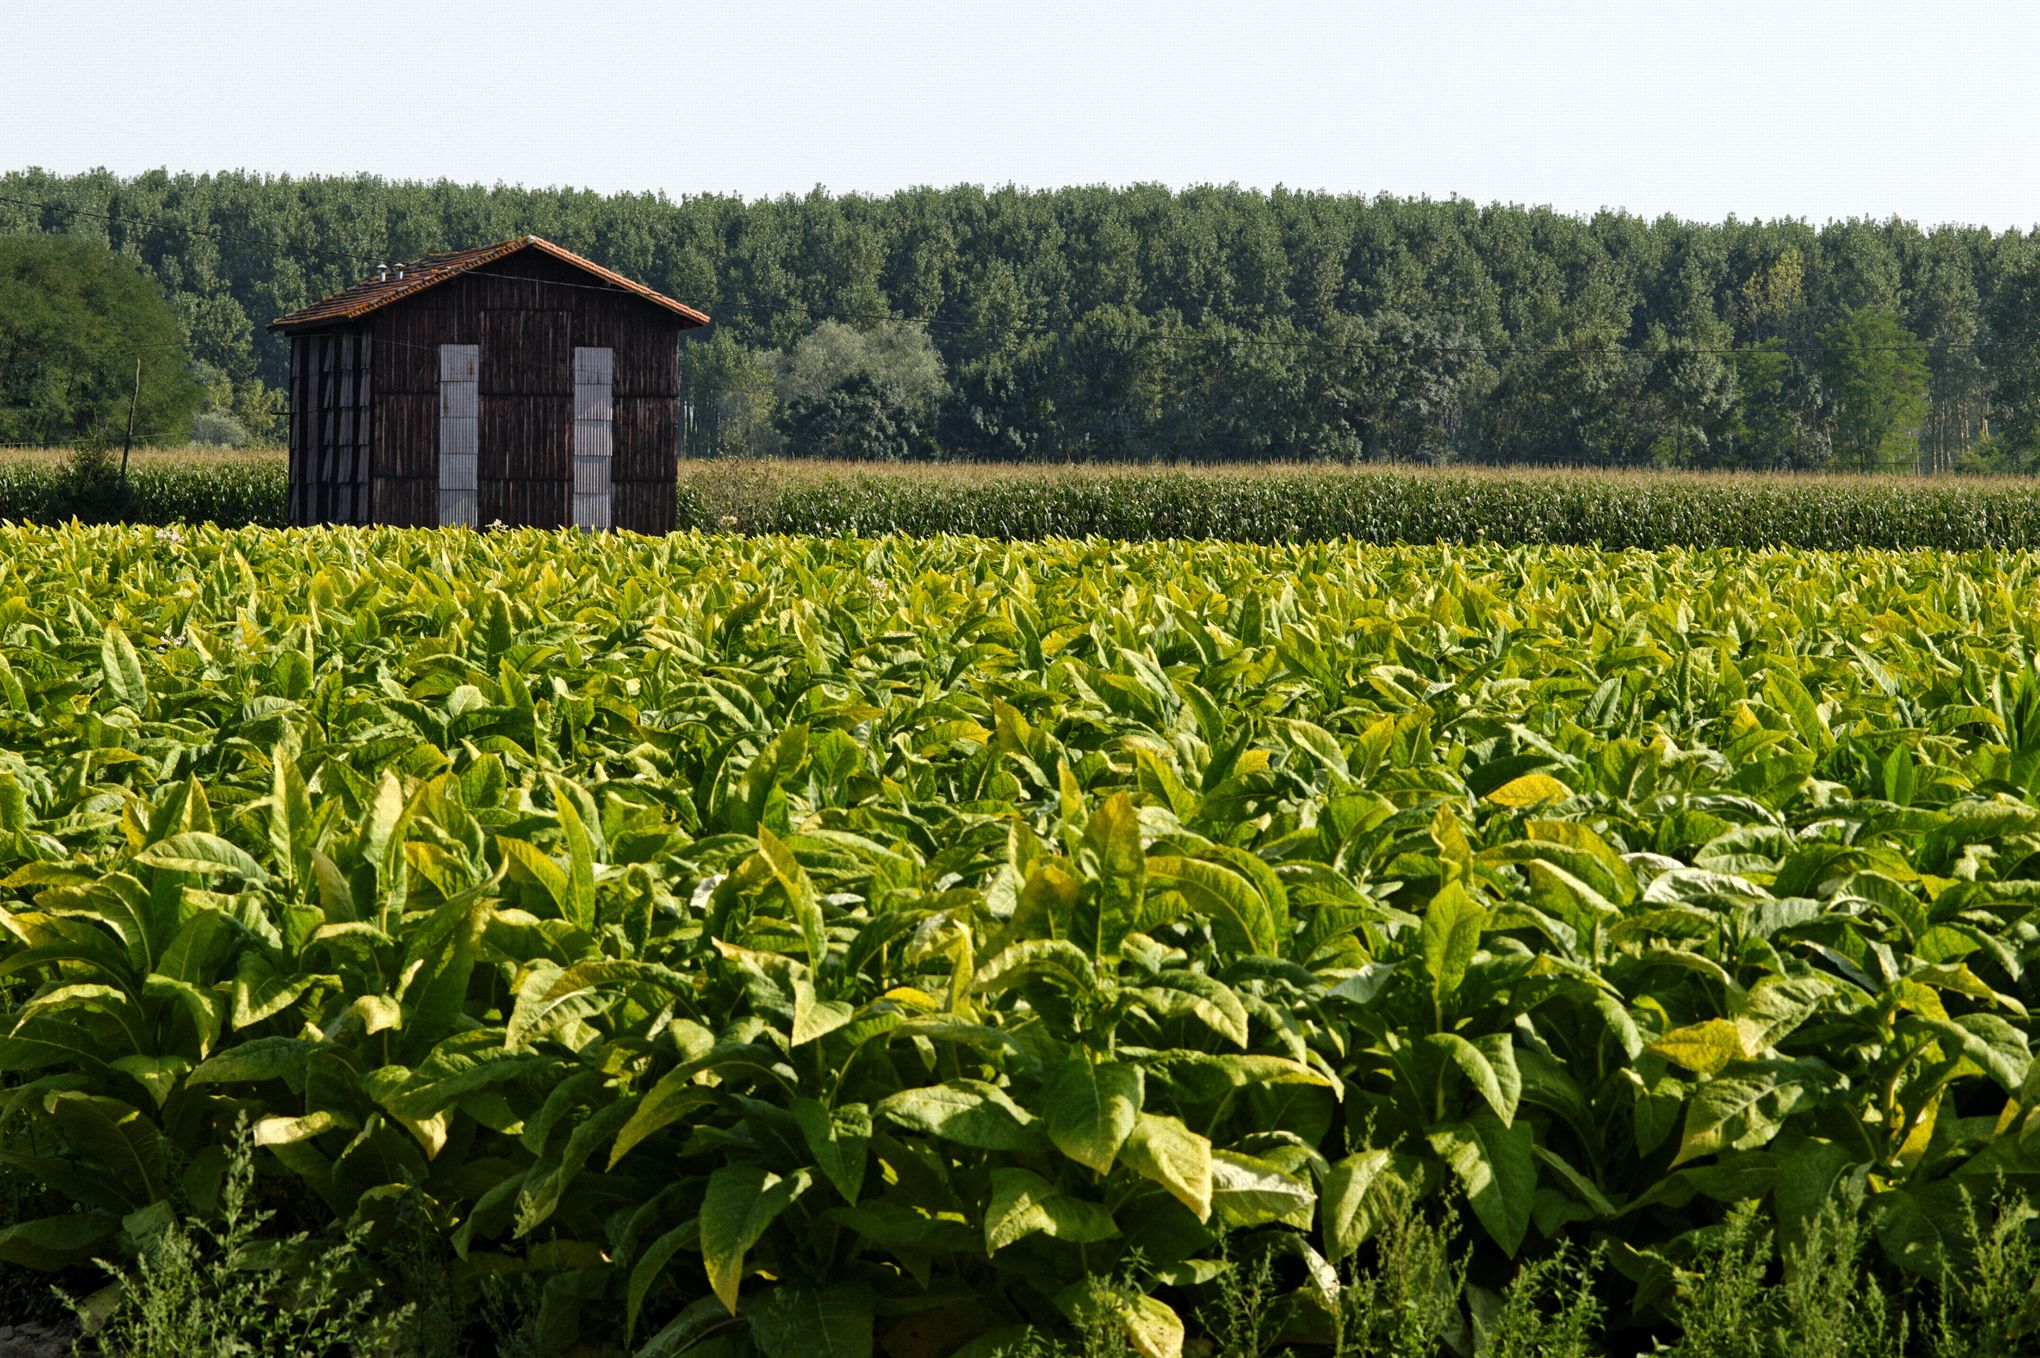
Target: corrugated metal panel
(459, 460)
(459, 363)
(593, 512)
(592, 439)
(591, 476)
(594, 446)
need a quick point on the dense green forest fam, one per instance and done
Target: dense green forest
(1206, 324)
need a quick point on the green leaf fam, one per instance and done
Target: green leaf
(968, 1112)
(837, 1138)
(553, 997)
(1112, 858)
(1489, 1067)
(1205, 998)
(1032, 957)
(800, 895)
(439, 959)
(1362, 1192)
(1088, 1109)
(157, 1074)
(288, 1131)
(202, 853)
(1807, 1180)
(383, 831)
(1582, 1187)
(666, 1102)
(1205, 1075)
(1451, 933)
(1495, 1166)
(741, 1202)
(533, 862)
(1994, 1045)
(697, 1326)
(1921, 1227)
(462, 1064)
(701, 1316)
(118, 1140)
(1163, 1150)
(813, 1018)
(290, 817)
(50, 1243)
(265, 1058)
(1249, 1191)
(260, 993)
(548, 1181)
(580, 899)
(1023, 1203)
(1745, 1105)
(122, 669)
(1223, 895)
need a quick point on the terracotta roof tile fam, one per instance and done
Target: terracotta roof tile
(415, 277)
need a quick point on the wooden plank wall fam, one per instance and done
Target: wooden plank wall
(528, 313)
(332, 424)
(407, 377)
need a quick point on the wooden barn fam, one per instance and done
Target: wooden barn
(518, 384)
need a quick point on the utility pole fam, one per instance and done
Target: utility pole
(134, 399)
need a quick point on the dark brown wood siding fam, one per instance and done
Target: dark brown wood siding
(332, 426)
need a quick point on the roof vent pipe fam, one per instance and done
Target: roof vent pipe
(382, 273)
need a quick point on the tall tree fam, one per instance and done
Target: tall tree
(74, 320)
(1875, 371)
(1210, 322)
(2011, 353)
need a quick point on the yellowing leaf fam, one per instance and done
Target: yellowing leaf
(1531, 789)
(1704, 1047)
(1089, 1109)
(1164, 1150)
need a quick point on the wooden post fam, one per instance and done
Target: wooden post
(134, 400)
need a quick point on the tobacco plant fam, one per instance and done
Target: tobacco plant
(950, 945)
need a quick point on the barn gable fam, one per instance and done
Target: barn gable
(408, 280)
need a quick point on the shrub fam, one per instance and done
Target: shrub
(218, 429)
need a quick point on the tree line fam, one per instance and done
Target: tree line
(1205, 324)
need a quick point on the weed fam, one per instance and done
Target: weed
(1548, 1310)
(212, 1284)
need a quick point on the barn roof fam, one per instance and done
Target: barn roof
(415, 277)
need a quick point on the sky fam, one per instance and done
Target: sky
(1819, 109)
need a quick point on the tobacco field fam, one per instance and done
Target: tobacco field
(939, 946)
